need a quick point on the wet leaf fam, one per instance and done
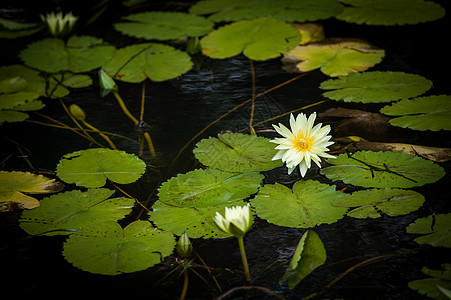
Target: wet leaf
(285, 10)
(307, 205)
(371, 203)
(383, 169)
(70, 211)
(105, 248)
(437, 230)
(157, 62)
(424, 113)
(434, 287)
(209, 187)
(388, 12)
(92, 167)
(164, 25)
(79, 54)
(310, 32)
(258, 39)
(375, 87)
(11, 29)
(58, 84)
(236, 152)
(196, 222)
(13, 185)
(334, 57)
(309, 255)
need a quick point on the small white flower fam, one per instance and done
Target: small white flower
(303, 143)
(236, 221)
(59, 24)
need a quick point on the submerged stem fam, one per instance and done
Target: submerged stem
(244, 259)
(110, 142)
(251, 128)
(185, 285)
(124, 108)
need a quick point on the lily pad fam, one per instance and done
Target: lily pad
(285, 10)
(334, 57)
(196, 222)
(105, 248)
(79, 54)
(164, 25)
(70, 211)
(157, 62)
(376, 87)
(437, 230)
(307, 205)
(371, 203)
(309, 255)
(11, 29)
(58, 85)
(388, 12)
(209, 187)
(92, 167)
(236, 152)
(383, 169)
(13, 185)
(434, 287)
(424, 113)
(257, 39)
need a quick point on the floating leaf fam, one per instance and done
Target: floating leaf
(70, 211)
(236, 152)
(13, 185)
(434, 287)
(258, 39)
(10, 29)
(310, 32)
(92, 167)
(164, 25)
(309, 255)
(335, 57)
(157, 62)
(58, 84)
(383, 169)
(388, 12)
(196, 222)
(210, 187)
(79, 54)
(437, 230)
(375, 87)
(105, 248)
(424, 113)
(309, 204)
(285, 10)
(371, 203)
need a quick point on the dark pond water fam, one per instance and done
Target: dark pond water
(178, 109)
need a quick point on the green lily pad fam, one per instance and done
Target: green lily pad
(196, 222)
(59, 84)
(424, 113)
(307, 205)
(258, 39)
(388, 12)
(285, 10)
(209, 187)
(309, 255)
(334, 57)
(79, 54)
(92, 167)
(383, 169)
(157, 62)
(105, 248)
(236, 152)
(434, 287)
(15, 78)
(371, 203)
(437, 230)
(11, 29)
(70, 211)
(164, 25)
(375, 87)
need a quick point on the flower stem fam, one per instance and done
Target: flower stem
(244, 259)
(185, 285)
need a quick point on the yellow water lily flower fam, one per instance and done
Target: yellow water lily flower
(303, 143)
(237, 220)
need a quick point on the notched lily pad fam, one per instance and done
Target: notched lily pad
(436, 230)
(334, 57)
(437, 285)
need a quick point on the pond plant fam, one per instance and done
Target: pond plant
(231, 188)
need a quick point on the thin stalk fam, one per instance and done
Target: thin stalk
(244, 259)
(124, 108)
(107, 139)
(185, 285)
(251, 128)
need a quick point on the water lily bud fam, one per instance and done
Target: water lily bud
(77, 112)
(58, 24)
(184, 247)
(236, 221)
(107, 83)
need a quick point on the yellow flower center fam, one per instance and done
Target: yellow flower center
(302, 143)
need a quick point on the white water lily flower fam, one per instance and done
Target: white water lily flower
(236, 221)
(58, 23)
(303, 143)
